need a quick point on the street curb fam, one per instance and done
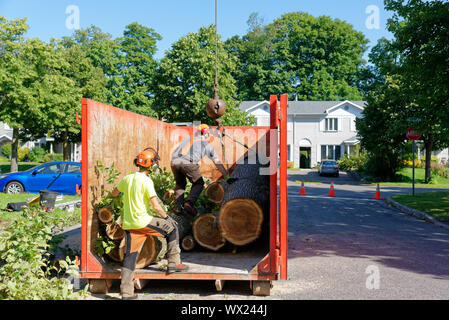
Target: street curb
(416, 213)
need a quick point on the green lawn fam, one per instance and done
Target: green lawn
(433, 203)
(71, 218)
(23, 166)
(406, 180)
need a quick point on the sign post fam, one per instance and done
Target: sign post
(413, 134)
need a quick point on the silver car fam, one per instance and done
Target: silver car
(329, 167)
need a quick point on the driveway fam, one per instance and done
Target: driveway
(347, 247)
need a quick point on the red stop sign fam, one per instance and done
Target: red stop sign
(413, 134)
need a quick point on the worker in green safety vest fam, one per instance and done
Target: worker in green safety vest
(143, 216)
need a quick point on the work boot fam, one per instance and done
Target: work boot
(127, 284)
(189, 209)
(134, 297)
(177, 268)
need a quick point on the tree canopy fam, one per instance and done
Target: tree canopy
(184, 81)
(412, 85)
(310, 58)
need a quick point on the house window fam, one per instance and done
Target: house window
(330, 152)
(331, 124)
(289, 153)
(263, 121)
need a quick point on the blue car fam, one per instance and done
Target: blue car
(67, 175)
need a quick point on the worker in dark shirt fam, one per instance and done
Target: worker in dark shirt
(185, 165)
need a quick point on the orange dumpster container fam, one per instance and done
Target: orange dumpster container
(114, 135)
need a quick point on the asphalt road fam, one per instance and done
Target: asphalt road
(347, 247)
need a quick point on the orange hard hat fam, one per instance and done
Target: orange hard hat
(204, 128)
(147, 158)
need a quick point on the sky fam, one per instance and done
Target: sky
(173, 19)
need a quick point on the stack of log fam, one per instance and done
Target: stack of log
(243, 214)
(243, 202)
(153, 249)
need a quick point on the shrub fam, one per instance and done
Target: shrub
(37, 154)
(440, 170)
(22, 153)
(6, 150)
(382, 166)
(53, 157)
(27, 271)
(290, 164)
(409, 163)
(354, 162)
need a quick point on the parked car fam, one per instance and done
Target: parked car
(67, 175)
(329, 167)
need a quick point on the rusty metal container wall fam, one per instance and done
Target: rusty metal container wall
(116, 136)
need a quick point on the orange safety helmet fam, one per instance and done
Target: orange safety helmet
(148, 158)
(204, 128)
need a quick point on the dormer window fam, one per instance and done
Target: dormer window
(331, 124)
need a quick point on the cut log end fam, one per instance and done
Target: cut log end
(206, 233)
(148, 253)
(152, 250)
(105, 214)
(188, 243)
(118, 253)
(215, 192)
(240, 221)
(114, 231)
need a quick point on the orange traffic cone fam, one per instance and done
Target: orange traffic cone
(302, 192)
(377, 194)
(332, 191)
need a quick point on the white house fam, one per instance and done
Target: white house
(6, 137)
(317, 130)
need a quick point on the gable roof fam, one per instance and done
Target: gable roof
(305, 107)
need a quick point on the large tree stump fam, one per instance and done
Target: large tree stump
(206, 232)
(245, 205)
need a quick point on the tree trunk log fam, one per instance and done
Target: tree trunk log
(245, 205)
(65, 144)
(105, 214)
(15, 150)
(215, 192)
(428, 143)
(152, 251)
(206, 233)
(188, 243)
(114, 231)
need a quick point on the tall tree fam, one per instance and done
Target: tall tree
(310, 58)
(77, 78)
(184, 81)
(414, 66)
(104, 52)
(136, 68)
(24, 66)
